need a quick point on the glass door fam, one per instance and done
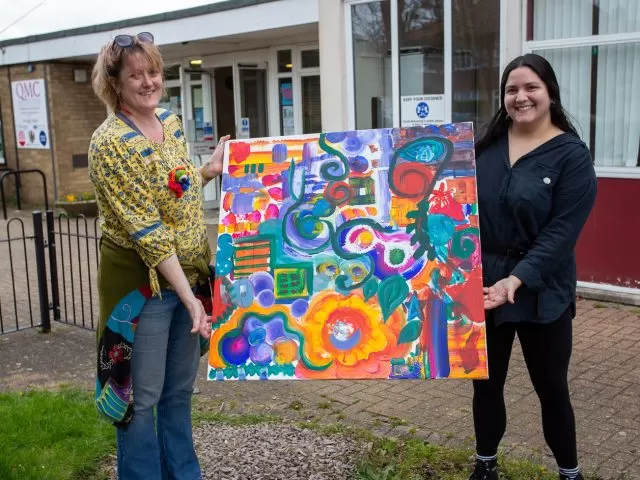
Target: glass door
(223, 95)
(198, 125)
(252, 101)
(172, 97)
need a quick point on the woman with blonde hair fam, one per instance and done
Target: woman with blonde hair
(154, 253)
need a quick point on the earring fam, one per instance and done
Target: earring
(553, 103)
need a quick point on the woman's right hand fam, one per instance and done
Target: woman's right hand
(201, 321)
(501, 292)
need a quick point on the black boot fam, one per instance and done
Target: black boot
(485, 470)
(577, 477)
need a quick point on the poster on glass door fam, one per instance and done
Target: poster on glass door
(418, 110)
(30, 113)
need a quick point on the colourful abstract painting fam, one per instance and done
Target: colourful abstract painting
(351, 255)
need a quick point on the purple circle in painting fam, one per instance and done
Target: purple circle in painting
(251, 323)
(299, 307)
(352, 145)
(257, 336)
(275, 330)
(359, 164)
(235, 349)
(336, 137)
(261, 354)
(261, 281)
(367, 136)
(266, 298)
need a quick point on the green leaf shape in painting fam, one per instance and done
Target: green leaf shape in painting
(370, 288)
(391, 293)
(410, 332)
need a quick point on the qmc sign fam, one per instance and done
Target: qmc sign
(30, 113)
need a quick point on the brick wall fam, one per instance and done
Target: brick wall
(74, 113)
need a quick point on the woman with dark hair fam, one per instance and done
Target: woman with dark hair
(536, 187)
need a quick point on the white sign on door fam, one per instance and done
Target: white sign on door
(417, 110)
(203, 148)
(30, 114)
(245, 129)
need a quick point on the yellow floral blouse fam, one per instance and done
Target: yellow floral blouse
(138, 209)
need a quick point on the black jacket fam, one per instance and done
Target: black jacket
(530, 217)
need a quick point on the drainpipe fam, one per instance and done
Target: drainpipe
(15, 138)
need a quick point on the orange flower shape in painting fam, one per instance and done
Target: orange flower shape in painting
(346, 337)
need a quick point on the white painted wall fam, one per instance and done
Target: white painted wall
(333, 64)
(512, 30)
(283, 13)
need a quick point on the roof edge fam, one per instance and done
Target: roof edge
(133, 22)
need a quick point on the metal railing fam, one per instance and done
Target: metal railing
(73, 268)
(17, 174)
(21, 271)
(65, 276)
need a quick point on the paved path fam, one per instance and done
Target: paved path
(605, 385)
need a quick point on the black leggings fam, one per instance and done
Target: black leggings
(547, 350)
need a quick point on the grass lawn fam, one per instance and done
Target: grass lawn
(52, 435)
(58, 435)
(413, 459)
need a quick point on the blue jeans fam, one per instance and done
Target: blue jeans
(163, 368)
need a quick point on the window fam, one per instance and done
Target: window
(285, 64)
(310, 90)
(421, 44)
(310, 58)
(371, 37)
(285, 103)
(285, 92)
(171, 98)
(411, 68)
(311, 110)
(299, 96)
(172, 73)
(476, 60)
(553, 19)
(464, 60)
(594, 47)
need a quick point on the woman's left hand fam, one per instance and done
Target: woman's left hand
(213, 167)
(501, 292)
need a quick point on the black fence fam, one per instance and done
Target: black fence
(17, 174)
(74, 261)
(23, 282)
(48, 269)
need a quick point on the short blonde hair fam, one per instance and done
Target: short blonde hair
(106, 71)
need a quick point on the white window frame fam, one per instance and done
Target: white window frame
(395, 61)
(296, 74)
(304, 72)
(589, 41)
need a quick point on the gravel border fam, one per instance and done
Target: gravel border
(273, 451)
(269, 451)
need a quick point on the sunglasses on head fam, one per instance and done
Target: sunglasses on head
(125, 41)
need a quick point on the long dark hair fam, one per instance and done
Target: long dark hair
(500, 122)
